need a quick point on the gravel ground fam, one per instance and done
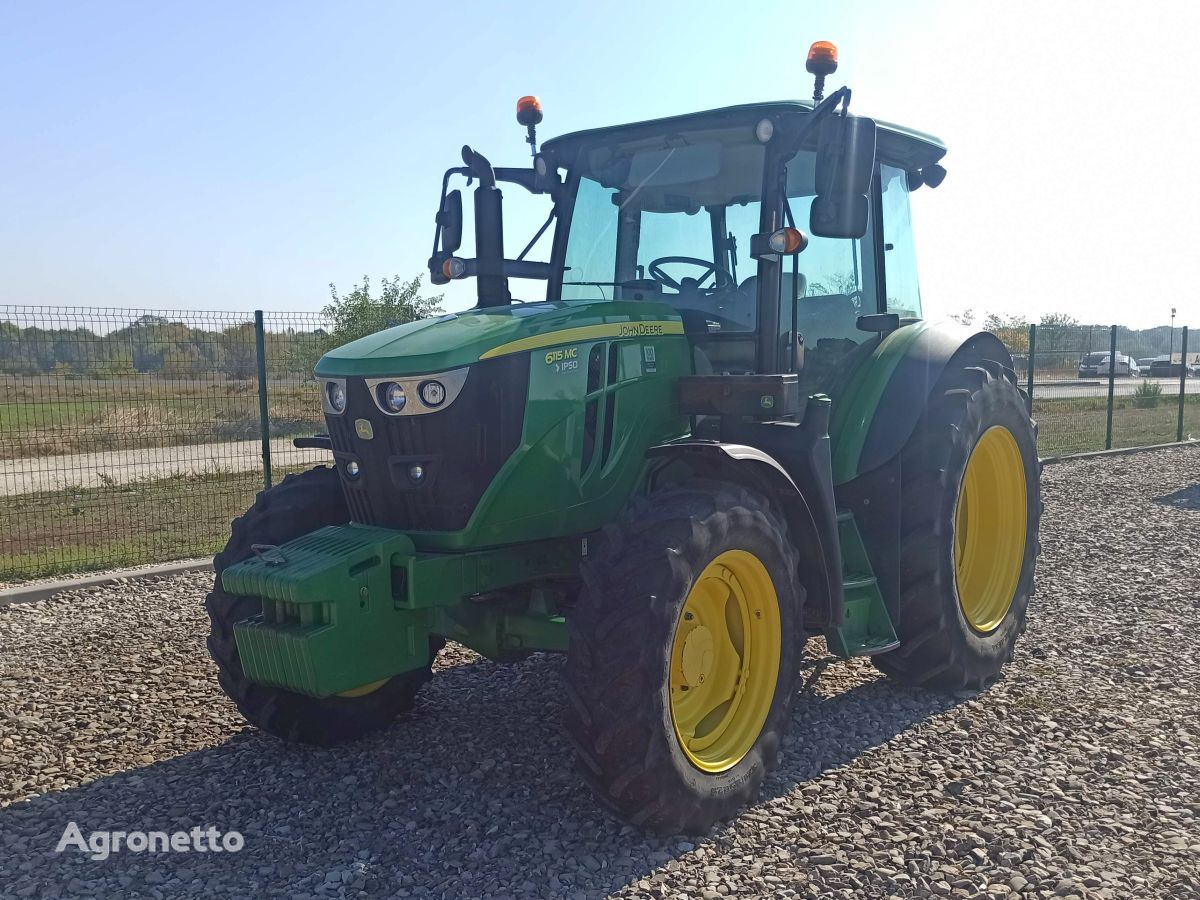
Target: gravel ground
(1077, 775)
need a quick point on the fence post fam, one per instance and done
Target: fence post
(1112, 380)
(1182, 385)
(264, 415)
(1029, 373)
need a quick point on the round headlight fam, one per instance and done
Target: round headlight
(433, 393)
(394, 398)
(352, 469)
(764, 130)
(336, 391)
(540, 166)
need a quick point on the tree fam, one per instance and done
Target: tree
(238, 351)
(358, 314)
(966, 317)
(181, 363)
(1062, 334)
(993, 322)
(1058, 320)
(1013, 330)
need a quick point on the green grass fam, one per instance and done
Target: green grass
(1077, 425)
(55, 415)
(37, 414)
(130, 524)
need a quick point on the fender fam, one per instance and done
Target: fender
(805, 493)
(880, 400)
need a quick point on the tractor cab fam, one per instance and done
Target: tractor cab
(779, 233)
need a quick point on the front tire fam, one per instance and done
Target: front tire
(970, 508)
(684, 652)
(296, 506)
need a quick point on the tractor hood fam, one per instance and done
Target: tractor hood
(460, 339)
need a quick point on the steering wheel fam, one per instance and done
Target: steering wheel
(722, 276)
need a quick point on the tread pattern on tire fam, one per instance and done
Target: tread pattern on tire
(633, 587)
(937, 648)
(299, 504)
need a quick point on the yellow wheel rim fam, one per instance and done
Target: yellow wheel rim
(989, 529)
(365, 689)
(725, 661)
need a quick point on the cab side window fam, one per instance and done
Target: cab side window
(899, 253)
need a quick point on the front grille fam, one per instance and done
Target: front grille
(461, 448)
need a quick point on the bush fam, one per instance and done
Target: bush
(358, 314)
(1147, 395)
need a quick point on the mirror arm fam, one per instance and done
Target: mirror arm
(814, 118)
(530, 180)
(540, 232)
(515, 268)
(523, 177)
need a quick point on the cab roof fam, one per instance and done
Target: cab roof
(898, 146)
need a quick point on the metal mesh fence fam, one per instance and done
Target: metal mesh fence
(293, 342)
(135, 436)
(1070, 384)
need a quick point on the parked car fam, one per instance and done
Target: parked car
(1164, 367)
(1145, 362)
(1095, 365)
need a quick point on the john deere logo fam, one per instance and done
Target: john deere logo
(363, 429)
(766, 401)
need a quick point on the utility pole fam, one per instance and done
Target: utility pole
(1171, 338)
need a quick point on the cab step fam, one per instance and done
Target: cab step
(866, 627)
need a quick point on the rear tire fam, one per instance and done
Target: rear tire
(630, 646)
(296, 506)
(960, 635)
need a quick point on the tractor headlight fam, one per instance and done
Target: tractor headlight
(393, 396)
(416, 395)
(335, 392)
(433, 393)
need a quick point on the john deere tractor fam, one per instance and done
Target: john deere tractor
(708, 437)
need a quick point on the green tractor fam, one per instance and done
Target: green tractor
(715, 437)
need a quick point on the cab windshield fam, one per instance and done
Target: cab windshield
(670, 219)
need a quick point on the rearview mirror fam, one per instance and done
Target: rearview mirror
(845, 165)
(450, 222)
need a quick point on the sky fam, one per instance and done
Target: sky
(244, 155)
